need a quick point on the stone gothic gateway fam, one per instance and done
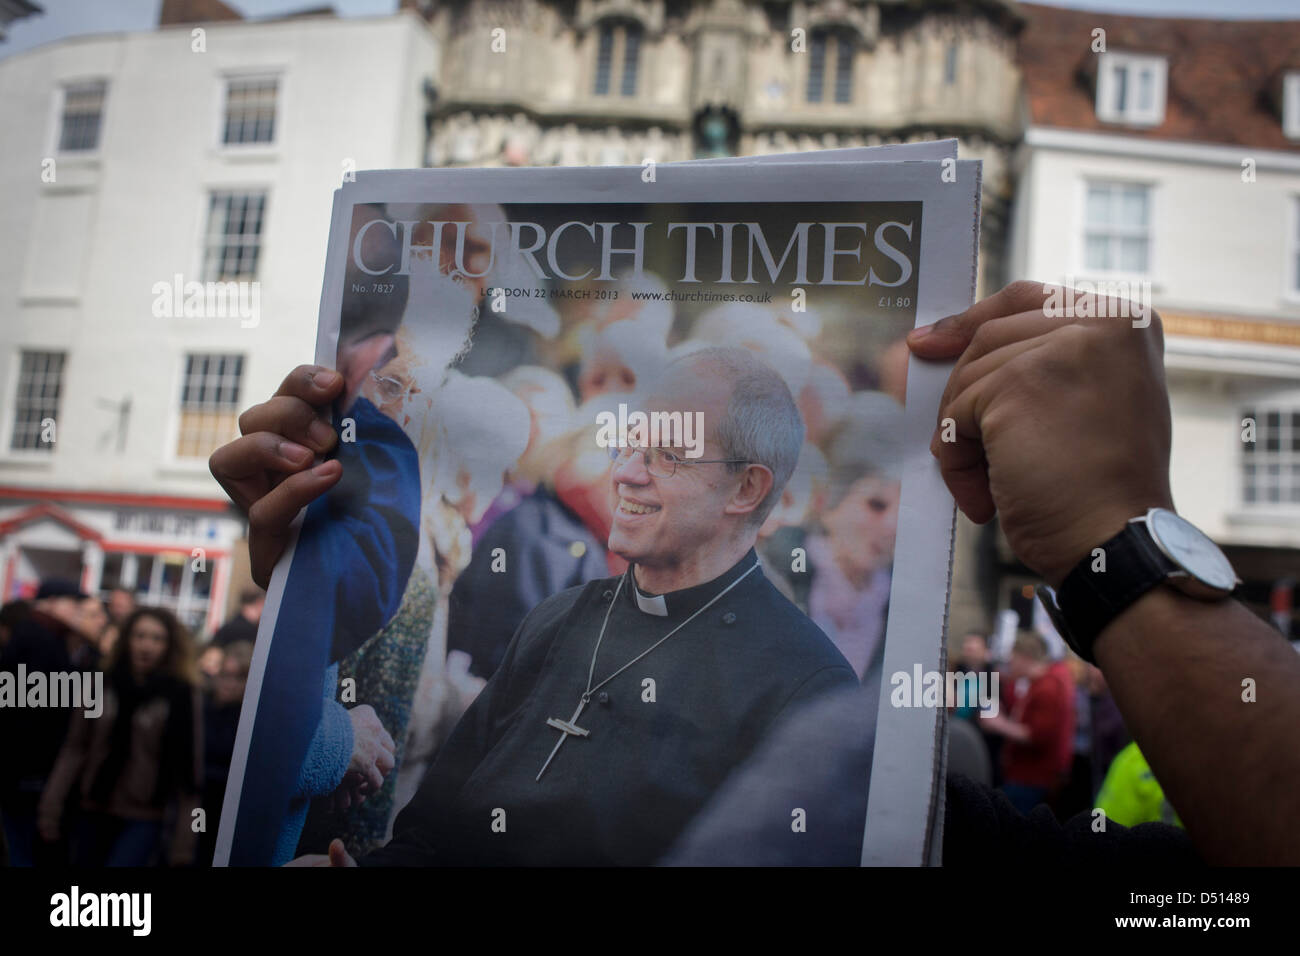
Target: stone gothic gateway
(618, 82)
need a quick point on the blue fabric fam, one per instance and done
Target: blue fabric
(355, 552)
(322, 771)
(331, 747)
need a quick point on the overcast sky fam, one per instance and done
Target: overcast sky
(64, 18)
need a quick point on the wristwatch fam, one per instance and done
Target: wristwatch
(1156, 548)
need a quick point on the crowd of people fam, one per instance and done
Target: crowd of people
(139, 780)
(1049, 733)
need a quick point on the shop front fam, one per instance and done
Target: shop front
(168, 551)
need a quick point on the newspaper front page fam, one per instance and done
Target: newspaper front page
(632, 485)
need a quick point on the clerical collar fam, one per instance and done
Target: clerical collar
(650, 603)
(687, 599)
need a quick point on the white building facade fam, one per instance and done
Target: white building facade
(167, 205)
(1128, 179)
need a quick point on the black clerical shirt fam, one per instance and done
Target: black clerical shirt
(661, 736)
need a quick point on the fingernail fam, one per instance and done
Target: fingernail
(324, 378)
(322, 468)
(320, 433)
(293, 451)
(940, 327)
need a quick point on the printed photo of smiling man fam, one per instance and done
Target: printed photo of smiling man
(655, 519)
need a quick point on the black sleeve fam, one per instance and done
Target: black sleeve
(981, 827)
(418, 829)
(800, 800)
(415, 831)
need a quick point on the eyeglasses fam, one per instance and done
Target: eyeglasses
(663, 464)
(390, 389)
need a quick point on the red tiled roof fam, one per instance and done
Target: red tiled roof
(174, 12)
(1224, 82)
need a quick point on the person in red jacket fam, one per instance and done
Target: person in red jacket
(1059, 670)
(1039, 727)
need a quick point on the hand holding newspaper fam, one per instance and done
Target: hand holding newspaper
(620, 480)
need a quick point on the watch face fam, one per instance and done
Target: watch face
(1192, 550)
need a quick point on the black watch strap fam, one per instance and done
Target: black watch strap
(1130, 565)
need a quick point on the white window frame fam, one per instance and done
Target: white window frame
(222, 101)
(55, 142)
(206, 234)
(1132, 64)
(1291, 266)
(7, 451)
(185, 604)
(1082, 268)
(173, 456)
(1291, 105)
(1286, 403)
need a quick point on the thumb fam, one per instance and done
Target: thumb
(339, 854)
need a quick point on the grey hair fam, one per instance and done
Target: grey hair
(762, 424)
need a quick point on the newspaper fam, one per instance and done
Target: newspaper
(511, 339)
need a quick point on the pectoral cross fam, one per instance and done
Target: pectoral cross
(567, 728)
